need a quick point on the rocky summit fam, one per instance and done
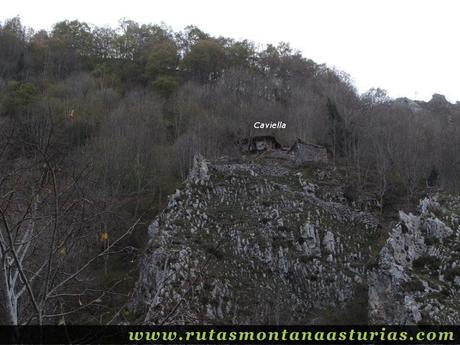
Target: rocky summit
(265, 241)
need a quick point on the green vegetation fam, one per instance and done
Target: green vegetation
(353, 313)
(452, 273)
(414, 285)
(430, 262)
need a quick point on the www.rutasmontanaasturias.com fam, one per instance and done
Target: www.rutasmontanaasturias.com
(290, 336)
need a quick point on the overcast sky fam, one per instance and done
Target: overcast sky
(408, 47)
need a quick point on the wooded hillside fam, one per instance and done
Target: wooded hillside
(99, 125)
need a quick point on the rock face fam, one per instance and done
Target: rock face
(417, 273)
(439, 99)
(253, 243)
(267, 241)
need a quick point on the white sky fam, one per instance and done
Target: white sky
(408, 47)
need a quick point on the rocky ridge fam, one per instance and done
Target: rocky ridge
(252, 242)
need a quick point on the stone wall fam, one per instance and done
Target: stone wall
(308, 153)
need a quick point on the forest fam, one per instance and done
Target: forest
(99, 125)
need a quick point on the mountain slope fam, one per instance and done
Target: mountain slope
(254, 242)
(261, 240)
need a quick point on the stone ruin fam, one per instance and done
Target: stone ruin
(259, 143)
(299, 153)
(304, 153)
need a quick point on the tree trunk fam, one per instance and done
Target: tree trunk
(8, 305)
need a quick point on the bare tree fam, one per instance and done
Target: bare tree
(47, 227)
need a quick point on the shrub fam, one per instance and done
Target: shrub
(452, 273)
(428, 261)
(18, 97)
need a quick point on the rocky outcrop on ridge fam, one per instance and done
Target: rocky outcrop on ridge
(253, 242)
(263, 241)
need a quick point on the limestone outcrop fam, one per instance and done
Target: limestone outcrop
(249, 243)
(265, 241)
(417, 274)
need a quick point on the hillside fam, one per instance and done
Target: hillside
(99, 125)
(264, 241)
